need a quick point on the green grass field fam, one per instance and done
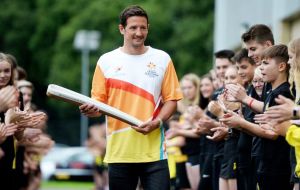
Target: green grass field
(66, 185)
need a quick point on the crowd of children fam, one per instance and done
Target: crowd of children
(237, 126)
(23, 140)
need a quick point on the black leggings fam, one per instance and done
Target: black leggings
(206, 182)
(276, 182)
(246, 179)
(217, 161)
(152, 175)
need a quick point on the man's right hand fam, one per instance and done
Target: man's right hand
(89, 110)
(235, 92)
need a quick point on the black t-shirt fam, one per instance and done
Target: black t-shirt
(275, 154)
(266, 89)
(230, 147)
(207, 146)
(219, 145)
(7, 146)
(245, 140)
(6, 162)
(7, 173)
(192, 146)
(256, 140)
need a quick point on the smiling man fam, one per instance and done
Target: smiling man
(258, 38)
(141, 81)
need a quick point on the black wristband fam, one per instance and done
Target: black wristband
(295, 113)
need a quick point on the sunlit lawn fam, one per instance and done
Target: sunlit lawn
(60, 185)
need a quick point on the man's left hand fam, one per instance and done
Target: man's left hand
(147, 127)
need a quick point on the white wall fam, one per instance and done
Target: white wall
(231, 15)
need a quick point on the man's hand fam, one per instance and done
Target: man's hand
(207, 123)
(215, 108)
(235, 92)
(171, 133)
(280, 128)
(261, 118)
(147, 127)
(231, 119)
(31, 134)
(13, 115)
(27, 120)
(7, 130)
(219, 133)
(201, 130)
(89, 110)
(196, 112)
(282, 112)
(269, 130)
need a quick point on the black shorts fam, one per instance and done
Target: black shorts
(182, 180)
(206, 161)
(152, 175)
(228, 169)
(100, 168)
(194, 159)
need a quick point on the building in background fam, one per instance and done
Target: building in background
(234, 17)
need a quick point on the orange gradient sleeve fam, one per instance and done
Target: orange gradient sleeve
(170, 87)
(98, 91)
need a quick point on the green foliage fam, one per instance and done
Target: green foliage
(40, 33)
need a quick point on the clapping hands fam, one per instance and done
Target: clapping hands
(9, 98)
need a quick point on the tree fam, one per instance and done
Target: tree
(40, 34)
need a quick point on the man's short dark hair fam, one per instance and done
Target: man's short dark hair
(133, 10)
(259, 33)
(242, 55)
(225, 54)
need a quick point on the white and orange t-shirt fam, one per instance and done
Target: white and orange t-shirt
(136, 85)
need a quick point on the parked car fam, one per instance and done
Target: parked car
(69, 163)
(48, 162)
(77, 166)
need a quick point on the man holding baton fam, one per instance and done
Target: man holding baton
(141, 81)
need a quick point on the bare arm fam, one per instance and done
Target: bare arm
(258, 130)
(190, 133)
(238, 93)
(235, 121)
(254, 104)
(179, 141)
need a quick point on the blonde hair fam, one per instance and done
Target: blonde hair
(5, 58)
(24, 83)
(294, 78)
(257, 72)
(196, 82)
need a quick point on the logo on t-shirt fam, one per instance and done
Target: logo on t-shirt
(151, 72)
(117, 69)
